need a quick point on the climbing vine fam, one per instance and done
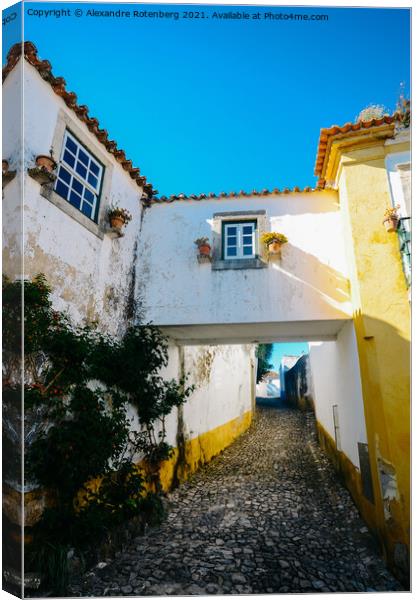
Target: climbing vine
(78, 385)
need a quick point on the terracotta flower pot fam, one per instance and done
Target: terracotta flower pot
(5, 166)
(274, 248)
(391, 224)
(46, 161)
(204, 250)
(117, 222)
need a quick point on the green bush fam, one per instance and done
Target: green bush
(82, 382)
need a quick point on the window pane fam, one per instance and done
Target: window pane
(71, 145)
(232, 240)
(247, 250)
(81, 170)
(232, 252)
(92, 180)
(94, 168)
(62, 189)
(82, 156)
(88, 195)
(63, 174)
(247, 229)
(87, 209)
(247, 239)
(75, 199)
(77, 186)
(231, 230)
(69, 158)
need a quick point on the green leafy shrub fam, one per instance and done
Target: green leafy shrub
(81, 382)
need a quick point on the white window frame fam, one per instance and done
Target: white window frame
(240, 242)
(93, 189)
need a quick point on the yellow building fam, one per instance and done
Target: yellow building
(369, 164)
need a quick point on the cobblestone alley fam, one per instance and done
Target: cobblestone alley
(266, 516)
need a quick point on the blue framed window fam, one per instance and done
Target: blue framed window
(239, 240)
(79, 177)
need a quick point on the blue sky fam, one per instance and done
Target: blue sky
(287, 348)
(214, 105)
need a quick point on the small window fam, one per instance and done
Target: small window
(79, 177)
(239, 240)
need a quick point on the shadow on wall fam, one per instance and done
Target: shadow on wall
(384, 358)
(385, 371)
(298, 385)
(305, 268)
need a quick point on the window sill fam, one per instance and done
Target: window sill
(49, 193)
(240, 263)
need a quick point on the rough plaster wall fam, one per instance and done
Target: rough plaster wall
(308, 283)
(12, 193)
(91, 277)
(336, 380)
(222, 376)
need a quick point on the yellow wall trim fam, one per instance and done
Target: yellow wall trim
(200, 450)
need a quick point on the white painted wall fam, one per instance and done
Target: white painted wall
(90, 276)
(268, 389)
(224, 379)
(12, 193)
(308, 284)
(394, 175)
(336, 380)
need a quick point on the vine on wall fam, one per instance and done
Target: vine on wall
(78, 384)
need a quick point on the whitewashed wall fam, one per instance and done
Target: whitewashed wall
(336, 380)
(224, 378)
(398, 166)
(308, 285)
(91, 277)
(12, 193)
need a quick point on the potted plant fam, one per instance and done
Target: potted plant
(203, 246)
(391, 219)
(43, 171)
(7, 174)
(273, 241)
(46, 162)
(118, 217)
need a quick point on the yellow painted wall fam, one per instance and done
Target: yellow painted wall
(382, 323)
(202, 449)
(350, 473)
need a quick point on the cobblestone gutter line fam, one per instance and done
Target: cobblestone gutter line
(268, 515)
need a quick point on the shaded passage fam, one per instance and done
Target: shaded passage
(268, 515)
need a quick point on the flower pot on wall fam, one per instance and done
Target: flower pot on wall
(5, 166)
(204, 250)
(391, 224)
(46, 162)
(274, 248)
(117, 222)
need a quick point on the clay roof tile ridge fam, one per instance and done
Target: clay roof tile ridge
(29, 51)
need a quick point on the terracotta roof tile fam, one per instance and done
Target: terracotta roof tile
(327, 134)
(58, 84)
(223, 195)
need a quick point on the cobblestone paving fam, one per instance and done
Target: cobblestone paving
(268, 515)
